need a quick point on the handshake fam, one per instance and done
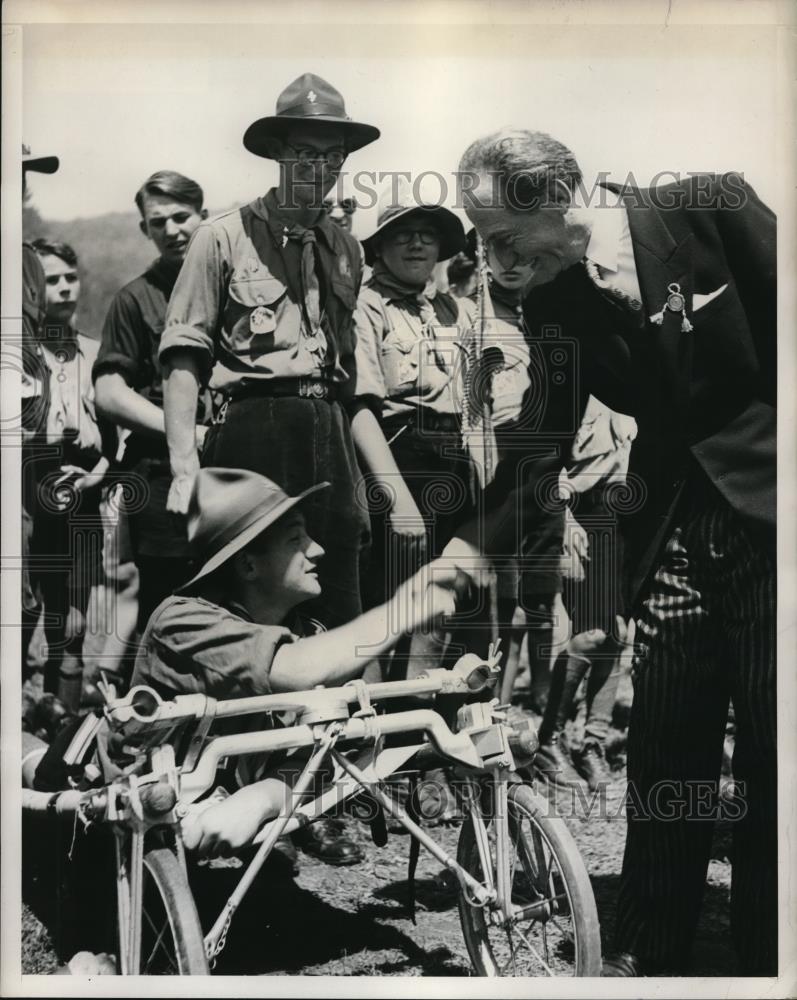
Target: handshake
(434, 591)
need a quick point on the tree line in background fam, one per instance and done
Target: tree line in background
(111, 250)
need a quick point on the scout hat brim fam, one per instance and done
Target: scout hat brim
(259, 137)
(452, 232)
(259, 519)
(40, 164)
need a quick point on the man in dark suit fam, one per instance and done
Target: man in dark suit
(661, 303)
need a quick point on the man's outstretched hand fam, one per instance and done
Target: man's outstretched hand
(432, 592)
(184, 473)
(466, 558)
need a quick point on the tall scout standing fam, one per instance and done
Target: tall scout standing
(263, 313)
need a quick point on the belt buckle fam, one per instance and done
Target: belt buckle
(311, 388)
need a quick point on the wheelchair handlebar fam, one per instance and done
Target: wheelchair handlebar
(143, 706)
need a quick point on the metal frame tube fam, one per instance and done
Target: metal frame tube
(135, 881)
(465, 879)
(503, 883)
(457, 746)
(308, 699)
(122, 899)
(213, 939)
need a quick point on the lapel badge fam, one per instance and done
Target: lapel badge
(343, 267)
(676, 303)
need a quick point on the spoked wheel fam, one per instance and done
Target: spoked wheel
(170, 941)
(559, 933)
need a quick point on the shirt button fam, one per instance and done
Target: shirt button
(260, 300)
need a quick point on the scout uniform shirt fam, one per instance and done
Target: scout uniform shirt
(409, 347)
(240, 300)
(130, 343)
(193, 645)
(131, 338)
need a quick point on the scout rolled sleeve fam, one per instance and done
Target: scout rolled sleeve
(193, 319)
(111, 362)
(195, 645)
(121, 349)
(369, 328)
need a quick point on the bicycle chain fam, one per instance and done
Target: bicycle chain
(220, 944)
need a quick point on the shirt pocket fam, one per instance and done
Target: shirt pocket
(400, 360)
(253, 311)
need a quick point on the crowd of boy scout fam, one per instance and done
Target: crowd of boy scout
(243, 347)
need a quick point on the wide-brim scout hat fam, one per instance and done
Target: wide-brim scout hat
(308, 100)
(230, 507)
(398, 202)
(39, 164)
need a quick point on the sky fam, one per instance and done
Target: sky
(118, 101)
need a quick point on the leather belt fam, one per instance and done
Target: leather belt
(302, 386)
(427, 422)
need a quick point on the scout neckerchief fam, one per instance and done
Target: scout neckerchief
(432, 309)
(314, 337)
(508, 297)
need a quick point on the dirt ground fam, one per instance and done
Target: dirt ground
(354, 921)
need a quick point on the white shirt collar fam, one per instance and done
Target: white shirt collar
(608, 218)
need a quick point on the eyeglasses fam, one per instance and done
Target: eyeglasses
(306, 154)
(405, 236)
(348, 205)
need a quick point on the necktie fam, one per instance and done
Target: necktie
(609, 291)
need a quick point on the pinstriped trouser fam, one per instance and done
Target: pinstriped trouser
(707, 634)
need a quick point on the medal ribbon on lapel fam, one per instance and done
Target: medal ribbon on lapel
(676, 303)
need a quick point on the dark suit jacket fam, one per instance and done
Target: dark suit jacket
(705, 396)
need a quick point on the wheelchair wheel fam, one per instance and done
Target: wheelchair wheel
(561, 936)
(172, 942)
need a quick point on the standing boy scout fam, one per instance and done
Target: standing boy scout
(262, 312)
(128, 384)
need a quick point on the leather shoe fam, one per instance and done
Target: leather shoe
(325, 839)
(591, 765)
(285, 856)
(553, 765)
(622, 963)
